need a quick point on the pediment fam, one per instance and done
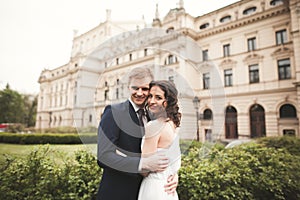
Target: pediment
(282, 51)
(172, 14)
(227, 63)
(253, 58)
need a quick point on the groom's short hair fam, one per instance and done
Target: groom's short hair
(140, 73)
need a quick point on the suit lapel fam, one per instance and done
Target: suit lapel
(132, 113)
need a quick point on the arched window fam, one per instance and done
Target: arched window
(249, 10)
(231, 128)
(204, 26)
(287, 111)
(170, 30)
(225, 19)
(257, 121)
(207, 114)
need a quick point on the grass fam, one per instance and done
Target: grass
(58, 153)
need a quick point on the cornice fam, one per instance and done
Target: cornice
(127, 64)
(44, 79)
(189, 32)
(262, 92)
(244, 21)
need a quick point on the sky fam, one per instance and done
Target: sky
(38, 34)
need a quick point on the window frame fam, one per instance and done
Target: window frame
(284, 70)
(206, 81)
(228, 78)
(281, 37)
(253, 73)
(226, 50)
(251, 42)
(205, 55)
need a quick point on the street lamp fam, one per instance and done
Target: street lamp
(196, 102)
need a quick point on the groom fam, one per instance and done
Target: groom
(119, 144)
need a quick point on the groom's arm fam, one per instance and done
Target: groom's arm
(108, 137)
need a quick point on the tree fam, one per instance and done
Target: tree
(30, 106)
(17, 108)
(11, 106)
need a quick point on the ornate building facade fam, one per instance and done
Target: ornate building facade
(242, 61)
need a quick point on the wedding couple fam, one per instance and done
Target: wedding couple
(138, 142)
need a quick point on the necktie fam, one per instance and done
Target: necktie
(141, 114)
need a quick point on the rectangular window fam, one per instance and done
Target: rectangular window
(290, 132)
(205, 55)
(281, 37)
(226, 50)
(284, 69)
(206, 81)
(251, 44)
(106, 94)
(253, 74)
(228, 77)
(75, 99)
(117, 93)
(171, 59)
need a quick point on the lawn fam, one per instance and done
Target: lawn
(59, 153)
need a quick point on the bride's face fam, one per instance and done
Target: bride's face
(156, 100)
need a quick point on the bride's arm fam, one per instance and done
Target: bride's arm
(150, 144)
(150, 141)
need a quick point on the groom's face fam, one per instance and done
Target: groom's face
(139, 90)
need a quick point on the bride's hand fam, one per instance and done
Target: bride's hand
(172, 184)
(145, 174)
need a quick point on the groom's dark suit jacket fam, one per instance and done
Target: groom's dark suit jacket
(119, 131)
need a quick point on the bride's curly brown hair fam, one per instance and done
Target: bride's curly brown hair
(170, 93)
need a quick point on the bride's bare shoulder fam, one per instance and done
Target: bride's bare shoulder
(154, 127)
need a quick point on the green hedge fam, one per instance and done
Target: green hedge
(35, 177)
(41, 138)
(289, 143)
(250, 171)
(20, 128)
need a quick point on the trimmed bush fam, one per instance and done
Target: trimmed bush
(30, 138)
(249, 171)
(289, 143)
(35, 177)
(63, 129)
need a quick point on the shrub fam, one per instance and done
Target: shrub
(246, 172)
(289, 143)
(63, 129)
(36, 177)
(16, 128)
(28, 138)
(250, 171)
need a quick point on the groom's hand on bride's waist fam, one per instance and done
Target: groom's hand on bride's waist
(155, 163)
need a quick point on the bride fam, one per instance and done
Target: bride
(161, 134)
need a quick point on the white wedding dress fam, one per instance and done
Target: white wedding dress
(152, 187)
